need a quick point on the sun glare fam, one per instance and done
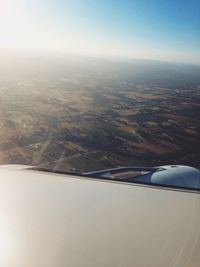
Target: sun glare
(10, 24)
(18, 30)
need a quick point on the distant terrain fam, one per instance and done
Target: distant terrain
(79, 114)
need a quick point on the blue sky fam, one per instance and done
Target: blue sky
(156, 29)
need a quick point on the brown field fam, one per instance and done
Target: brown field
(83, 122)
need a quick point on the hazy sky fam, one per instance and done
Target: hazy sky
(155, 29)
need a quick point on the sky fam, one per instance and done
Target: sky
(148, 29)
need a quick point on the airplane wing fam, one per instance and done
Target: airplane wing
(56, 220)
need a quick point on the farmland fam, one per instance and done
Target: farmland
(75, 118)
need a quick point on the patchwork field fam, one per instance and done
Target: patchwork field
(71, 117)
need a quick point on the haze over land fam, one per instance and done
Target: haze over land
(83, 113)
